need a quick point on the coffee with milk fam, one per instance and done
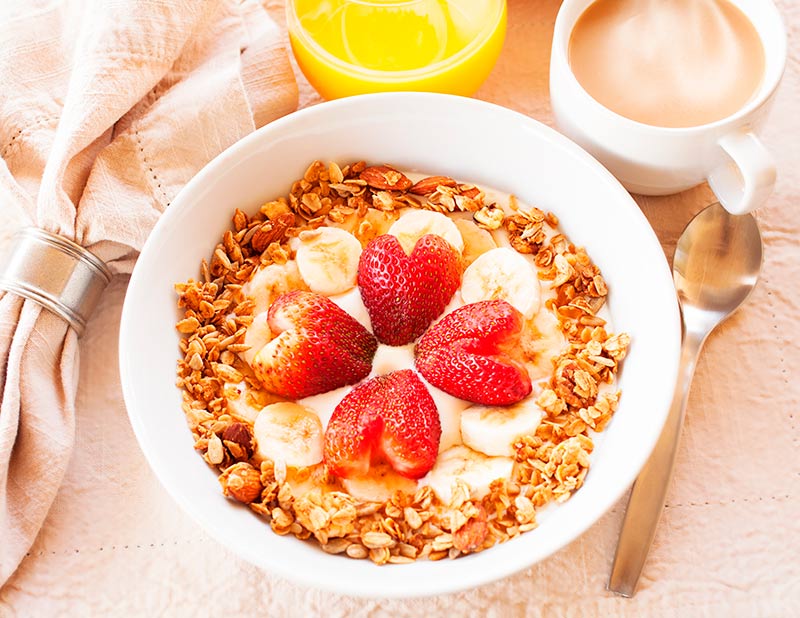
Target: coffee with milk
(667, 63)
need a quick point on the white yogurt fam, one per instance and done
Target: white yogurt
(352, 303)
(325, 403)
(389, 358)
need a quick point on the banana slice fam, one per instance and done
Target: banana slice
(270, 282)
(475, 469)
(541, 342)
(415, 223)
(374, 223)
(288, 433)
(450, 409)
(244, 402)
(503, 274)
(304, 480)
(379, 484)
(493, 430)
(477, 241)
(328, 260)
(257, 335)
(367, 226)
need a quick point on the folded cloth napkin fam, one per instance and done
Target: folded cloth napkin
(106, 110)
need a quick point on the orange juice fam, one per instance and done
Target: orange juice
(347, 47)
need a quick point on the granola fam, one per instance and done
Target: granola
(578, 399)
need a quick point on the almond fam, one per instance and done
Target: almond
(242, 482)
(271, 231)
(428, 185)
(385, 178)
(240, 220)
(239, 434)
(472, 534)
(470, 192)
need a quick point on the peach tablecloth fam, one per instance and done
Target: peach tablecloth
(729, 540)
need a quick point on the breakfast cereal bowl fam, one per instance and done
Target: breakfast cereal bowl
(480, 145)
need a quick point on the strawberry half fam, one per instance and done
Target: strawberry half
(470, 352)
(403, 293)
(317, 347)
(388, 418)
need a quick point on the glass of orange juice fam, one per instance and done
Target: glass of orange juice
(347, 47)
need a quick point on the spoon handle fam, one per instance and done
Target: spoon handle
(650, 489)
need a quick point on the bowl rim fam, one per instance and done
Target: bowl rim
(429, 586)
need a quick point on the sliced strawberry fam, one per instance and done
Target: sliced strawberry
(317, 347)
(470, 354)
(388, 418)
(403, 293)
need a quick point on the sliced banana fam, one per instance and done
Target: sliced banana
(493, 430)
(379, 484)
(450, 409)
(328, 260)
(415, 223)
(542, 340)
(474, 468)
(270, 282)
(289, 434)
(477, 241)
(505, 275)
(257, 335)
(244, 402)
(374, 223)
(365, 227)
(304, 480)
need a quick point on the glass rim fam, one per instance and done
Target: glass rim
(387, 3)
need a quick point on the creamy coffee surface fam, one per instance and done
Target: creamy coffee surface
(674, 63)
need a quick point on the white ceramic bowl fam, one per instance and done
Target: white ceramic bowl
(437, 134)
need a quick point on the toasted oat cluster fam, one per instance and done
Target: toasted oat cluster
(226, 379)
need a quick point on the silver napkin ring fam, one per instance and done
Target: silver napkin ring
(56, 273)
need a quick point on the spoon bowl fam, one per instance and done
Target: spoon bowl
(716, 266)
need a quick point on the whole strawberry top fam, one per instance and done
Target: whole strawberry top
(404, 293)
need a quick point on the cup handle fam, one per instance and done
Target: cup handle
(744, 181)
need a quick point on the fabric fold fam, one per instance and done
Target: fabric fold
(106, 111)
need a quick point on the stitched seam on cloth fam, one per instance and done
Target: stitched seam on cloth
(155, 545)
(113, 548)
(729, 502)
(24, 131)
(11, 143)
(784, 371)
(115, 54)
(149, 167)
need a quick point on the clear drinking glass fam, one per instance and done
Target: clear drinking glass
(347, 47)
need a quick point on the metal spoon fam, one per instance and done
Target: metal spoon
(716, 266)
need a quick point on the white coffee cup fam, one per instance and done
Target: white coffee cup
(658, 161)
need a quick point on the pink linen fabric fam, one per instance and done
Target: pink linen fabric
(106, 110)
